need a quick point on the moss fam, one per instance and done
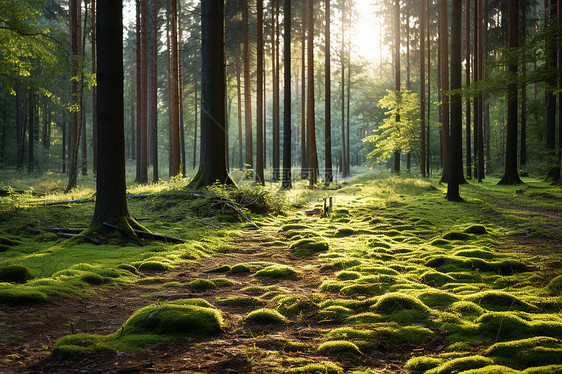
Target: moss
(476, 229)
(297, 304)
(550, 369)
(554, 287)
(127, 267)
(277, 271)
(376, 243)
(343, 232)
(392, 302)
(461, 364)
(440, 242)
(503, 325)
(528, 352)
(455, 235)
(223, 282)
(351, 304)
(436, 298)
(257, 290)
(406, 334)
(499, 300)
(94, 279)
(265, 316)
(375, 270)
(348, 275)
(15, 273)
(240, 301)
(467, 308)
(409, 317)
(494, 369)
(475, 253)
(19, 296)
(340, 349)
(240, 269)
(293, 226)
(317, 368)
(362, 289)
(155, 266)
(352, 333)
(219, 269)
(200, 285)
(305, 247)
(363, 318)
(334, 313)
(172, 285)
(422, 364)
(196, 301)
(9, 240)
(436, 277)
(184, 319)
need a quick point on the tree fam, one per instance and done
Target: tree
(249, 157)
(327, 102)
(444, 44)
(275, 88)
(455, 141)
(142, 122)
(212, 162)
(304, 138)
(468, 119)
(397, 82)
(311, 120)
(344, 161)
(111, 189)
(152, 66)
(175, 107)
(422, 86)
(259, 96)
(511, 175)
(286, 179)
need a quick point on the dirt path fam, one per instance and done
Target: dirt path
(28, 332)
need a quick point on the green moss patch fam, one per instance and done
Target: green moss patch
(240, 269)
(19, 296)
(265, 316)
(309, 246)
(334, 313)
(476, 229)
(240, 301)
(340, 349)
(392, 302)
(317, 368)
(155, 266)
(422, 364)
(554, 287)
(15, 274)
(219, 269)
(435, 298)
(277, 271)
(534, 351)
(461, 364)
(455, 235)
(499, 300)
(296, 304)
(200, 285)
(343, 232)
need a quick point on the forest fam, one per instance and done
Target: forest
(305, 186)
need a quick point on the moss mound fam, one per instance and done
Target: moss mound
(334, 313)
(422, 364)
(240, 301)
(240, 269)
(175, 319)
(455, 235)
(436, 278)
(340, 349)
(348, 275)
(461, 364)
(200, 285)
(297, 304)
(155, 266)
(265, 316)
(476, 229)
(197, 302)
(475, 253)
(554, 287)
(277, 272)
(15, 274)
(318, 368)
(436, 298)
(392, 302)
(309, 246)
(18, 296)
(219, 269)
(528, 352)
(499, 300)
(343, 232)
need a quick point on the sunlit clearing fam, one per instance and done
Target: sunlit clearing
(367, 34)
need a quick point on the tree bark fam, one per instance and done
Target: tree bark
(286, 178)
(31, 134)
(444, 43)
(311, 120)
(304, 138)
(175, 146)
(239, 94)
(249, 157)
(468, 104)
(422, 86)
(259, 96)
(212, 163)
(275, 126)
(455, 142)
(142, 123)
(397, 83)
(111, 198)
(94, 93)
(153, 87)
(328, 177)
(511, 175)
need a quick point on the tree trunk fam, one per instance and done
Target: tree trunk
(304, 138)
(19, 129)
(142, 123)
(259, 96)
(275, 89)
(444, 43)
(111, 199)
(94, 94)
(511, 175)
(455, 176)
(212, 164)
(396, 167)
(468, 104)
(523, 143)
(344, 163)
(196, 125)
(428, 138)
(31, 134)
(311, 120)
(249, 158)
(328, 177)
(482, 17)
(175, 146)
(286, 178)
(239, 94)
(153, 87)
(422, 87)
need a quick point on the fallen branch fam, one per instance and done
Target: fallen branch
(149, 235)
(86, 238)
(78, 201)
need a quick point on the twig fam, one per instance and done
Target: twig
(149, 235)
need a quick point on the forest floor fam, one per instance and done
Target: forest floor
(395, 279)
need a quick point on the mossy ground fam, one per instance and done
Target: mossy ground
(438, 287)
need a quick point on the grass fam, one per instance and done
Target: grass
(399, 266)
